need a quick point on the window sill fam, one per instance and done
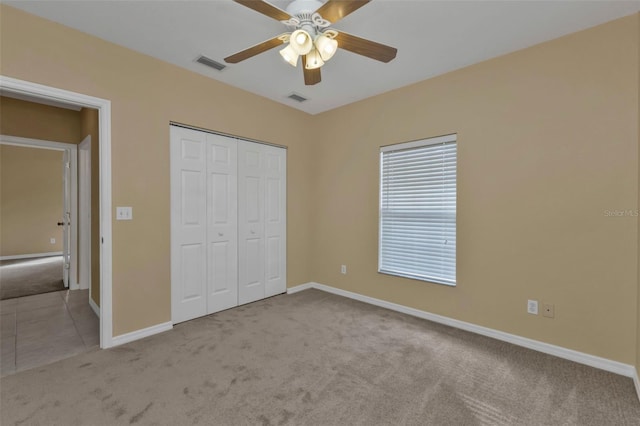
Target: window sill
(417, 278)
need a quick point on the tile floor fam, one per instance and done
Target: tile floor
(37, 330)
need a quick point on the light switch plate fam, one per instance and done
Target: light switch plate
(124, 213)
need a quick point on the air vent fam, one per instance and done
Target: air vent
(297, 97)
(210, 63)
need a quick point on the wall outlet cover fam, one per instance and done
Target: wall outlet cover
(548, 310)
(124, 213)
(532, 307)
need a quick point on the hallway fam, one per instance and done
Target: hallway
(37, 330)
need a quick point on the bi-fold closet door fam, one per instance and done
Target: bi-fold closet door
(228, 222)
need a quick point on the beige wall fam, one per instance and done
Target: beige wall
(547, 141)
(146, 95)
(89, 121)
(31, 120)
(30, 200)
(28, 231)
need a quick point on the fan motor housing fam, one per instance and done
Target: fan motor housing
(298, 7)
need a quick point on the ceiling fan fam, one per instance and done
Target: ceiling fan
(312, 38)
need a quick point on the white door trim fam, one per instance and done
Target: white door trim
(72, 149)
(84, 214)
(103, 106)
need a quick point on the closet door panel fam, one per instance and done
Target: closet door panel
(250, 222)
(222, 234)
(188, 224)
(275, 220)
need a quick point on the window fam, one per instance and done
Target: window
(418, 210)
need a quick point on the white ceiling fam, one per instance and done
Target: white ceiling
(432, 38)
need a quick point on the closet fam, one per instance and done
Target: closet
(228, 222)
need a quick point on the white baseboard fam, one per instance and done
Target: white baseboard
(140, 334)
(29, 256)
(300, 287)
(95, 307)
(636, 381)
(579, 357)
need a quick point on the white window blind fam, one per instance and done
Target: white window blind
(418, 210)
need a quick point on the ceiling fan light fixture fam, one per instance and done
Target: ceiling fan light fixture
(290, 55)
(301, 42)
(312, 38)
(313, 60)
(326, 46)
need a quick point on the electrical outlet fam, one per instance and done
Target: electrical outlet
(343, 269)
(548, 310)
(124, 213)
(532, 307)
(52, 240)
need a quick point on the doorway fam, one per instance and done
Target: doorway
(45, 315)
(39, 249)
(42, 93)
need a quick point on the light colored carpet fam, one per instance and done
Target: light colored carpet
(314, 358)
(26, 277)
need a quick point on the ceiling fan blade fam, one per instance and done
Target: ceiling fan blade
(266, 9)
(365, 47)
(335, 10)
(254, 50)
(311, 77)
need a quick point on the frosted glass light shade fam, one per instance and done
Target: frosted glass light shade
(290, 55)
(301, 42)
(314, 60)
(326, 46)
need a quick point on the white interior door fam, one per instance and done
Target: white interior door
(84, 214)
(66, 216)
(222, 230)
(188, 224)
(251, 222)
(275, 160)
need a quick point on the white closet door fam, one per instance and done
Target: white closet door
(250, 222)
(188, 224)
(222, 230)
(228, 222)
(275, 220)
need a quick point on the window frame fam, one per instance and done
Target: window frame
(437, 140)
